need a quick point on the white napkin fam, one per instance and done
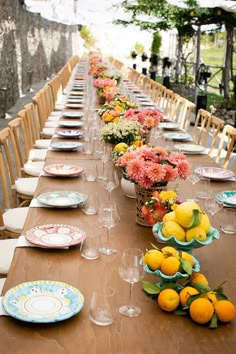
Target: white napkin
(22, 242)
(2, 311)
(36, 204)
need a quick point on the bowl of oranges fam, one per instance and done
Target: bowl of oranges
(169, 264)
(186, 228)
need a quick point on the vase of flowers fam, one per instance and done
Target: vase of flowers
(128, 187)
(151, 168)
(122, 132)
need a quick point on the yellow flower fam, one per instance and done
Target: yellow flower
(168, 195)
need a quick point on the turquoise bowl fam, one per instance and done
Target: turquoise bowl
(187, 246)
(173, 278)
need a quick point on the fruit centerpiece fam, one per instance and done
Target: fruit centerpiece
(186, 228)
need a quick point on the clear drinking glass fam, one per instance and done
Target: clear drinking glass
(132, 271)
(111, 180)
(108, 217)
(213, 206)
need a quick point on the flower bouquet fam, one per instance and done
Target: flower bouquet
(116, 107)
(159, 205)
(104, 86)
(124, 131)
(149, 118)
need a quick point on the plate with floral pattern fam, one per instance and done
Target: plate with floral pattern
(227, 197)
(75, 133)
(70, 124)
(215, 173)
(43, 301)
(63, 170)
(66, 146)
(55, 235)
(62, 199)
(72, 114)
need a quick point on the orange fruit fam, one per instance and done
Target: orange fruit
(188, 257)
(201, 310)
(211, 295)
(170, 251)
(200, 278)
(153, 259)
(225, 310)
(170, 265)
(168, 300)
(185, 293)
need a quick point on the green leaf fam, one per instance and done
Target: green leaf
(195, 219)
(221, 296)
(186, 266)
(202, 288)
(154, 246)
(150, 288)
(181, 312)
(214, 321)
(190, 300)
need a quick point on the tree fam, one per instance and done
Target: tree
(87, 36)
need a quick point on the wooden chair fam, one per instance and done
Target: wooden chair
(29, 168)
(7, 252)
(22, 189)
(227, 145)
(199, 134)
(45, 132)
(213, 130)
(172, 105)
(185, 112)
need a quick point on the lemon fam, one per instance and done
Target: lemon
(188, 214)
(169, 251)
(121, 147)
(205, 223)
(169, 216)
(171, 228)
(153, 259)
(197, 233)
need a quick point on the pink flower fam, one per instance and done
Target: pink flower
(171, 173)
(134, 169)
(183, 169)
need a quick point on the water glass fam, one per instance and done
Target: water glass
(90, 206)
(203, 189)
(91, 173)
(228, 221)
(102, 310)
(90, 247)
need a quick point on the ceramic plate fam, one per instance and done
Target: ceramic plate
(72, 114)
(170, 126)
(227, 197)
(74, 105)
(63, 170)
(214, 173)
(43, 301)
(70, 124)
(76, 93)
(70, 133)
(75, 100)
(191, 148)
(177, 136)
(62, 199)
(55, 235)
(78, 88)
(66, 146)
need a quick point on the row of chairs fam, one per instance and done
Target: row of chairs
(208, 130)
(23, 147)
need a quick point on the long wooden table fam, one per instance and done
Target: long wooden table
(154, 331)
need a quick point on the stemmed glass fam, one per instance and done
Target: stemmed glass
(108, 217)
(213, 205)
(111, 180)
(105, 157)
(132, 271)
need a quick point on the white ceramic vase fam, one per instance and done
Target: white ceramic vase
(128, 188)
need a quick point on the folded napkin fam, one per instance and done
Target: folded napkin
(36, 204)
(22, 242)
(2, 311)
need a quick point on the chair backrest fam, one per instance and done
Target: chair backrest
(213, 129)
(185, 112)
(40, 110)
(33, 119)
(227, 144)
(10, 167)
(19, 131)
(199, 134)
(56, 85)
(158, 94)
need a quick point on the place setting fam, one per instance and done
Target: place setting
(59, 199)
(178, 136)
(66, 146)
(70, 133)
(62, 170)
(215, 173)
(71, 124)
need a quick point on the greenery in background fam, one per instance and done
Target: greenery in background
(139, 48)
(86, 35)
(156, 43)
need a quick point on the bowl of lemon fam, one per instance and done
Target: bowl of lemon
(169, 264)
(186, 228)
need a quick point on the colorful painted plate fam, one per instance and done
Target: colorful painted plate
(74, 105)
(227, 197)
(70, 133)
(55, 235)
(70, 124)
(62, 199)
(191, 148)
(215, 173)
(66, 146)
(169, 126)
(43, 301)
(72, 114)
(178, 136)
(63, 170)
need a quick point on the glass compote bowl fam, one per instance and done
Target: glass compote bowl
(131, 270)
(108, 217)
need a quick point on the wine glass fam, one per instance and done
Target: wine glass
(108, 217)
(105, 157)
(213, 205)
(111, 180)
(132, 271)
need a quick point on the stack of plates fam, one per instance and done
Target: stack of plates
(215, 173)
(227, 197)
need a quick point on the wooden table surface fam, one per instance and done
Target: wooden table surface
(154, 331)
